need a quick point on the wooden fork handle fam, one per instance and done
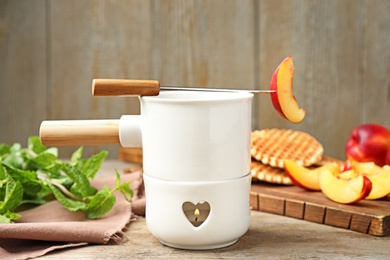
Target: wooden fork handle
(125, 87)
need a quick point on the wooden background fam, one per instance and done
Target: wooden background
(51, 50)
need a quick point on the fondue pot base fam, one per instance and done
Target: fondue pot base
(198, 215)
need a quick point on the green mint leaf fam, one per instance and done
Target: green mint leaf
(76, 157)
(4, 149)
(20, 174)
(101, 203)
(69, 204)
(8, 217)
(12, 193)
(29, 179)
(78, 177)
(5, 220)
(52, 171)
(32, 189)
(28, 175)
(37, 201)
(3, 183)
(35, 144)
(63, 180)
(92, 165)
(15, 157)
(124, 188)
(77, 190)
(3, 174)
(44, 159)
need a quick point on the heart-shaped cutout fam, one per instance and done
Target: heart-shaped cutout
(196, 214)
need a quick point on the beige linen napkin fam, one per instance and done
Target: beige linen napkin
(50, 226)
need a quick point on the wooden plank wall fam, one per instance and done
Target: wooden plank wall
(51, 50)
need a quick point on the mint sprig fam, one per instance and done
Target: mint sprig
(30, 175)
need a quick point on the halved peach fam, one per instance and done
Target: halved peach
(379, 177)
(366, 167)
(283, 98)
(347, 175)
(306, 178)
(380, 185)
(346, 188)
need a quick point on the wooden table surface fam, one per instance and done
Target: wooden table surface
(269, 237)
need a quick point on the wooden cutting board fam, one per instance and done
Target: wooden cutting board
(369, 217)
(132, 155)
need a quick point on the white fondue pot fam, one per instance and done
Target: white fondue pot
(196, 158)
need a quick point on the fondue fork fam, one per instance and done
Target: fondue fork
(127, 87)
(93, 132)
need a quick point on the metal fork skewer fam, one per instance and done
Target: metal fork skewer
(254, 91)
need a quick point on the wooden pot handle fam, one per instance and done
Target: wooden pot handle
(125, 87)
(79, 132)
